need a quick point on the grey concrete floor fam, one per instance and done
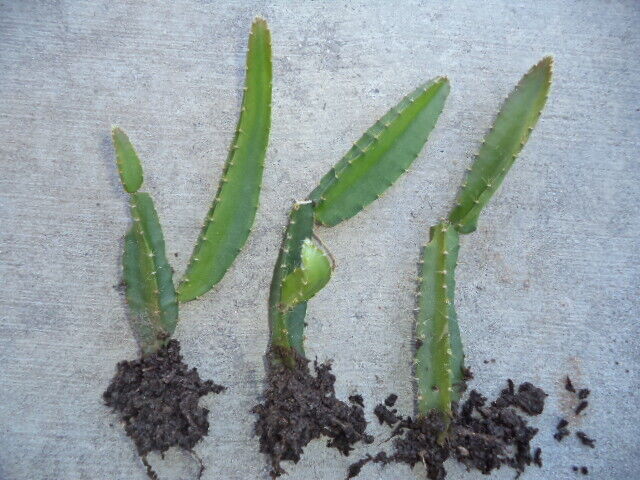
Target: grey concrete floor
(548, 285)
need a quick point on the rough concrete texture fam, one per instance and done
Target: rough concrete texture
(548, 285)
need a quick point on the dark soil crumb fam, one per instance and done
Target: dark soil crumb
(300, 407)
(390, 401)
(386, 415)
(583, 393)
(357, 399)
(482, 437)
(568, 385)
(581, 406)
(529, 398)
(537, 457)
(561, 430)
(585, 439)
(584, 470)
(157, 398)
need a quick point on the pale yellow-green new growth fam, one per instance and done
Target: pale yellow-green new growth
(308, 279)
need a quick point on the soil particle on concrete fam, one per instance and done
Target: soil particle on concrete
(585, 439)
(390, 401)
(299, 407)
(568, 385)
(157, 398)
(529, 398)
(581, 406)
(561, 430)
(583, 393)
(482, 437)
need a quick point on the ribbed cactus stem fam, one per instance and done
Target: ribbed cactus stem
(380, 156)
(287, 325)
(148, 277)
(228, 222)
(501, 146)
(438, 358)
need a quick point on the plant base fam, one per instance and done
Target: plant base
(482, 437)
(300, 407)
(157, 398)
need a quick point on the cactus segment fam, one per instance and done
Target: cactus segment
(147, 336)
(380, 156)
(439, 357)
(150, 290)
(510, 132)
(127, 160)
(229, 220)
(287, 327)
(308, 279)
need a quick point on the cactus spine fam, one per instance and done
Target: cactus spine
(375, 161)
(439, 358)
(229, 220)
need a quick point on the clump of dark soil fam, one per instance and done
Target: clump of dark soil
(157, 398)
(561, 430)
(299, 407)
(481, 436)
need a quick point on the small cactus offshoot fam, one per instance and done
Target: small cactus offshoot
(439, 359)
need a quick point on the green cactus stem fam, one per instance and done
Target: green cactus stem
(501, 146)
(147, 274)
(308, 279)
(287, 325)
(127, 161)
(439, 357)
(229, 220)
(380, 156)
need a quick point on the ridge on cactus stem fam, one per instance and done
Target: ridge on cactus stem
(229, 220)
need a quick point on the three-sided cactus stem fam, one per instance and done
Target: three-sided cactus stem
(287, 324)
(438, 357)
(229, 220)
(380, 156)
(511, 130)
(147, 274)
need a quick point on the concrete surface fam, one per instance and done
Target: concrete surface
(548, 286)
